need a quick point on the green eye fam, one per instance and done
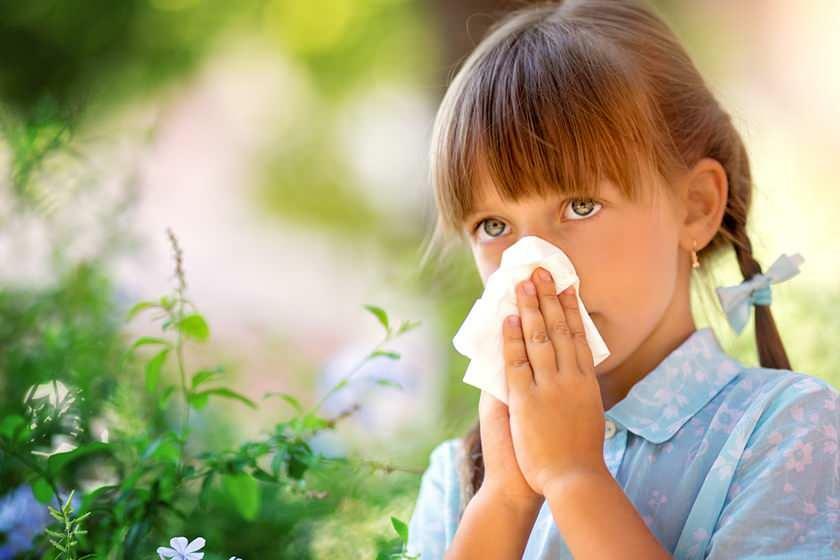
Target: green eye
(493, 224)
(582, 207)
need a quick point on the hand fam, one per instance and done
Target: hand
(502, 476)
(556, 411)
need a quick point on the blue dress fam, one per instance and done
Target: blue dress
(722, 461)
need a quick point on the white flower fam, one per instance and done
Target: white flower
(234, 558)
(181, 550)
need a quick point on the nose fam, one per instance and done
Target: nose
(545, 236)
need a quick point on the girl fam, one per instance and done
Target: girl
(587, 124)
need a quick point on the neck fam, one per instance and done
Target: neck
(676, 326)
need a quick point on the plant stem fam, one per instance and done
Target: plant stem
(346, 378)
(32, 465)
(179, 343)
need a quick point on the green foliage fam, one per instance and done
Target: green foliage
(242, 489)
(66, 540)
(194, 326)
(397, 550)
(73, 56)
(164, 478)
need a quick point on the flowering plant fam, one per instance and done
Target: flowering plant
(162, 479)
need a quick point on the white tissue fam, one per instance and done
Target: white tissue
(480, 335)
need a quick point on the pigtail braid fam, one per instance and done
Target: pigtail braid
(733, 156)
(771, 350)
(472, 472)
(570, 88)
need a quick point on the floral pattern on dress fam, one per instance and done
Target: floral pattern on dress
(788, 479)
(726, 461)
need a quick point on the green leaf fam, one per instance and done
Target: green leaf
(42, 490)
(198, 400)
(260, 474)
(389, 383)
(277, 462)
(147, 340)
(406, 326)
(226, 393)
(138, 308)
(55, 514)
(288, 398)
(57, 461)
(385, 353)
(168, 452)
(314, 422)
(206, 484)
(244, 491)
(308, 422)
(164, 448)
(153, 368)
(10, 425)
(204, 375)
(296, 467)
(165, 395)
(89, 499)
(299, 457)
(401, 528)
(194, 326)
(380, 314)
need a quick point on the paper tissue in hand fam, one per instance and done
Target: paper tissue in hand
(480, 336)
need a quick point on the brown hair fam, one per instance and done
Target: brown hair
(559, 95)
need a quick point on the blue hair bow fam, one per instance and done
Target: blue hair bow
(736, 299)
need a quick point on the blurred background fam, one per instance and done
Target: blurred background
(285, 144)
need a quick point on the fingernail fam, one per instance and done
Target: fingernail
(529, 288)
(513, 320)
(569, 291)
(544, 275)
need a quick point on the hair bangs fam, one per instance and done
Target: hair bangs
(540, 113)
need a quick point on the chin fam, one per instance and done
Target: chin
(604, 366)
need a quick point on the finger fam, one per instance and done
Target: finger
(557, 323)
(489, 407)
(578, 335)
(518, 371)
(538, 345)
(494, 422)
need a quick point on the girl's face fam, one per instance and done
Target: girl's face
(625, 253)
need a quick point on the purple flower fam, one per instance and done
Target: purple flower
(22, 517)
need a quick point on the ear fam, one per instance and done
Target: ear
(705, 190)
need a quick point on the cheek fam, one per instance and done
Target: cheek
(486, 262)
(627, 265)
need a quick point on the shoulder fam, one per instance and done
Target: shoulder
(790, 424)
(444, 459)
(785, 404)
(785, 388)
(442, 475)
(769, 391)
(782, 495)
(446, 451)
(436, 511)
